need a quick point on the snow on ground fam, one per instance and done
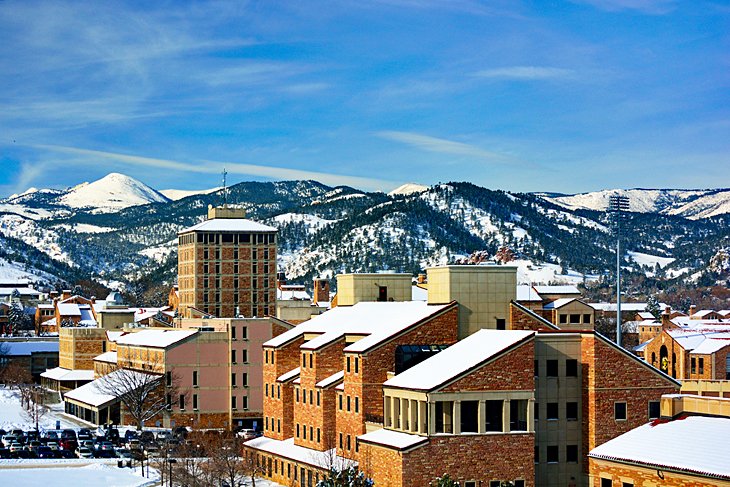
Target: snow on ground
(11, 414)
(160, 252)
(178, 194)
(95, 474)
(32, 213)
(111, 193)
(15, 270)
(312, 222)
(83, 228)
(29, 232)
(650, 260)
(543, 273)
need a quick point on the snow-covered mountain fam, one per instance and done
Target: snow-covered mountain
(111, 193)
(178, 194)
(408, 188)
(692, 204)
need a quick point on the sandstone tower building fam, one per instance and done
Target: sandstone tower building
(227, 266)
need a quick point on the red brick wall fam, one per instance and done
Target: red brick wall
(678, 370)
(513, 371)
(519, 320)
(281, 360)
(469, 457)
(611, 376)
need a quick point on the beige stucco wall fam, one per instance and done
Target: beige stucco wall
(355, 288)
(483, 293)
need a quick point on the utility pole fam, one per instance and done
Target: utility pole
(225, 193)
(617, 204)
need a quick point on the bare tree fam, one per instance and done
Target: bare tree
(4, 359)
(144, 395)
(33, 401)
(192, 468)
(226, 462)
(14, 374)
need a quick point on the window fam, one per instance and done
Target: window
(606, 483)
(233, 380)
(233, 336)
(619, 411)
(495, 483)
(627, 484)
(244, 336)
(195, 378)
(266, 390)
(571, 368)
(518, 415)
(348, 442)
(233, 356)
(701, 365)
(340, 440)
(693, 366)
(357, 404)
(574, 319)
(537, 368)
(654, 409)
(182, 402)
(357, 365)
(304, 432)
(494, 415)
(469, 416)
(347, 360)
(501, 324)
(552, 368)
(552, 411)
(552, 454)
(195, 401)
(537, 454)
(519, 483)
(297, 394)
(298, 430)
(571, 453)
(319, 436)
(244, 379)
(168, 379)
(563, 319)
(168, 401)
(587, 318)
(244, 356)
(340, 397)
(571, 411)
(311, 360)
(348, 403)
(244, 402)
(311, 396)
(233, 402)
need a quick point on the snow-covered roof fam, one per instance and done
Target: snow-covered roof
(229, 225)
(393, 439)
(287, 449)
(155, 338)
(110, 357)
(23, 291)
(695, 444)
(527, 293)
(27, 348)
(292, 295)
(113, 336)
(645, 315)
(92, 393)
(61, 374)
(640, 347)
(289, 375)
(625, 307)
(565, 289)
(712, 345)
(378, 320)
(419, 294)
(559, 303)
(46, 306)
(333, 379)
(458, 359)
(702, 313)
(69, 309)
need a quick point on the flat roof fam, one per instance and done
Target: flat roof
(27, 348)
(393, 439)
(692, 444)
(61, 374)
(457, 359)
(229, 225)
(287, 449)
(155, 338)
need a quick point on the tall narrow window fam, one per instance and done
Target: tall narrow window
(195, 378)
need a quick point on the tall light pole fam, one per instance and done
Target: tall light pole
(617, 204)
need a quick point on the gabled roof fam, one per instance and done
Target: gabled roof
(93, 393)
(293, 373)
(378, 321)
(300, 454)
(155, 338)
(109, 357)
(559, 303)
(712, 345)
(527, 293)
(645, 315)
(61, 374)
(69, 309)
(229, 225)
(458, 359)
(695, 444)
(333, 379)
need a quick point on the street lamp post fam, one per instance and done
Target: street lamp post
(617, 204)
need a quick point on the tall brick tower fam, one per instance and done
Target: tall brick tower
(227, 266)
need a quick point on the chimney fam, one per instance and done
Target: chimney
(666, 324)
(65, 294)
(321, 291)
(692, 310)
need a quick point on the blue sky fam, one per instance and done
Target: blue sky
(558, 96)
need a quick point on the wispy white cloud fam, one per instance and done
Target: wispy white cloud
(652, 7)
(525, 73)
(214, 167)
(444, 146)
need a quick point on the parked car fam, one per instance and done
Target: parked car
(69, 444)
(68, 433)
(53, 445)
(134, 444)
(164, 435)
(85, 453)
(84, 434)
(129, 434)
(25, 454)
(146, 437)
(106, 445)
(45, 452)
(52, 436)
(9, 439)
(4, 452)
(246, 434)
(180, 432)
(105, 454)
(124, 453)
(66, 454)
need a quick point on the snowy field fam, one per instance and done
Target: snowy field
(11, 414)
(106, 475)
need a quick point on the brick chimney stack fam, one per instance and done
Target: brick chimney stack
(692, 310)
(321, 291)
(666, 323)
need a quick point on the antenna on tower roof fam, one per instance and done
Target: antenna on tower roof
(225, 191)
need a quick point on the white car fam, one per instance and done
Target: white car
(85, 453)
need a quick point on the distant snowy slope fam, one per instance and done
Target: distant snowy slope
(688, 203)
(111, 193)
(408, 188)
(178, 194)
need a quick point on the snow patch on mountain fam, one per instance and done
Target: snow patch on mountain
(529, 272)
(312, 222)
(408, 188)
(10, 270)
(178, 194)
(83, 228)
(111, 193)
(29, 232)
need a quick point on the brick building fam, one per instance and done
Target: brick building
(227, 267)
(332, 392)
(685, 447)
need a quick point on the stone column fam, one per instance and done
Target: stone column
(456, 418)
(482, 417)
(531, 415)
(505, 415)
(414, 410)
(423, 417)
(431, 418)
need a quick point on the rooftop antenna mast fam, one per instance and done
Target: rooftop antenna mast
(617, 205)
(225, 190)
